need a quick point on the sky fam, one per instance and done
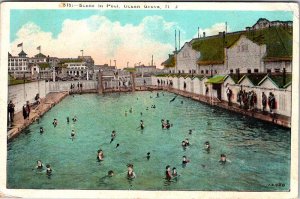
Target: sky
(125, 36)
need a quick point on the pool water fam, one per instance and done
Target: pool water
(258, 152)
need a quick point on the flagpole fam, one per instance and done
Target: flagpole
(40, 49)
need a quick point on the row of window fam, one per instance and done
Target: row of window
(276, 70)
(190, 71)
(17, 60)
(207, 72)
(18, 68)
(17, 64)
(78, 67)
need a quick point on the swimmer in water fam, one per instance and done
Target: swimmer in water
(68, 120)
(100, 155)
(74, 119)
(41, 130)
(147, 109)
(125, 113)
(117, 145)
(72, 134)
(183, 144)
(142, 124)
(39, 164)
(163, 124)
(185, 160)
(130, 110)
(187, 142)
(222, 159)
(113, 135)
(148, 156)
(110, 173)
(190, 131)
(168, 125)
(130, 172)
(54, 122)
(154, 106)
(175, 174)
(141, 114)
(207, 146)
(181, 102)
(168, 173)
(48, 170)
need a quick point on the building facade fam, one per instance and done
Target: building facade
(18, 64)
(186, 60)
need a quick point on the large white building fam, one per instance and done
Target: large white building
(19, 63)
(264, 48)
(76, 69)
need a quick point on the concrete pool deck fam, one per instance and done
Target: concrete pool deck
(280, 120)
(36, 112)
(53, 98)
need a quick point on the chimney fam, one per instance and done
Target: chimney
(179, 40)
(175, 43)
(283, 77)
(238, 73)
(203, 34)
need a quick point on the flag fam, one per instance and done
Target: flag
(20, 45)
(38, 48)
(81, 50)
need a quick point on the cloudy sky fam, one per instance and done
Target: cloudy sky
(121, 35)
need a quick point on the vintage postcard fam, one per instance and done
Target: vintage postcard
(149, 100)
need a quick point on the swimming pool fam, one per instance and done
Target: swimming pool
(258, 152)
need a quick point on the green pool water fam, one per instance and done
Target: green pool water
(259, 153)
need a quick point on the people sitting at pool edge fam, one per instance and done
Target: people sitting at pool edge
(130, 172)
(100, 155)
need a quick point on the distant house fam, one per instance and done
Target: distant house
(76, 69)
(263, 23)
(142, 69)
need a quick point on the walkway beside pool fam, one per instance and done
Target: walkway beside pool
(280, 120)
(36, 111)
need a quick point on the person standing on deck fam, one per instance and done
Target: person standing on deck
(229, 94)
(264, 102)
(11, 112)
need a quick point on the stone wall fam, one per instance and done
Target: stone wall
(21, 93)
